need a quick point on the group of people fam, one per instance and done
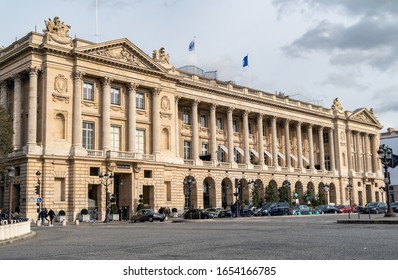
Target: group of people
(123, 213)
(165, 211)
(44, 215)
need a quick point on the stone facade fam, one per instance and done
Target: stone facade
(81, 108)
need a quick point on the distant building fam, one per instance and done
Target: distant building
(390, 138)
(170, 138)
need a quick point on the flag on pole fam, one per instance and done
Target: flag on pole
(246, 61)
(192, 45)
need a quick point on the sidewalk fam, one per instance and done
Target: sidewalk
(364, 219)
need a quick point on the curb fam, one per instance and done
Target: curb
(19, 238)
(387, 222)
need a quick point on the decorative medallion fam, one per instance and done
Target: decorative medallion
(61, 89)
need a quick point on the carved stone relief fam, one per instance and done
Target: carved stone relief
(61, 89)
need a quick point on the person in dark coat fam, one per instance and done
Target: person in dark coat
(43, 215)
(51, 214)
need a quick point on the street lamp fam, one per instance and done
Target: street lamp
(286, 184)
(385, 155)
(238, 186)
(189, 182)
(349, 187)
(37, 190)
(10, 174)
(106, 180)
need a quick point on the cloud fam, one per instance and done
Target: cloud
(385, 100)
(345, 80)
(371, 40)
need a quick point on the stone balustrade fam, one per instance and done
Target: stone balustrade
(15, 229)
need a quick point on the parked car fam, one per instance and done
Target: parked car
(213, 212)
(226, 213)
(327, 209)
(269, 205)
(394, 207)
(302, 209)
(343, 209)
(246, 211)
(375, 207)
(196, 214)
(149, 215)
(279, 211)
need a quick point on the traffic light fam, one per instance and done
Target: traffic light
(38, 207)
(37, 189)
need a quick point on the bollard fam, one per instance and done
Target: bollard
(298, 213)
(63, 222)
(77, 222)
(38, 223)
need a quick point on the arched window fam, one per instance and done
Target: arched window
(59, 127)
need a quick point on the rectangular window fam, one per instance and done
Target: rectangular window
(88, 135)
(220, 123)
(139, 101)
(115, 96)
(186, 116)
(187, 149)
(325, 137)
(236, 156)
(203, 120)
(327, 163)
(235, 125)
(140, 141)
(168, 191)
(220, 155)
(205, 149)
(250, 128)
(88, 91)
(115, 138)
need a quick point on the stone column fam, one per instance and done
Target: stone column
(195, 130)
(358, 144)
(155, 121)
(349, 150)
(311, 144)
(299, 146)
(274, 142)
(331, 147)
(230, 136)
(106, 113)
(213, 132)
(366, 154)
(246, 136)
(32, 107)
(17, 120)
(3, 94)
(375, 157)
(321, 149)
(132, 126)
(77, 124)
(177, 125)
(260, 138)
(287, 144)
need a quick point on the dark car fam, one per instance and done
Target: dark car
(196, 214)
(279, 211)
(269, 205)
(375, 207)
(149, 215)
(226, 213)
(394, 207)
(246, 211)
(328, 209)
(301, 210)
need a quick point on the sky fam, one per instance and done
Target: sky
(311, 50)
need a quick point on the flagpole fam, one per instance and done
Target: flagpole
(248, 66)
(194, 55)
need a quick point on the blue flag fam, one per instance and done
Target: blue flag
(191, 46)
(246, 61)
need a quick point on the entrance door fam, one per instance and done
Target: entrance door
(148, 198)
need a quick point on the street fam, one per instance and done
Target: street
(259, 238)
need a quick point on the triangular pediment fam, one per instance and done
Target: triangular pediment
(120, 51)
(365, 116)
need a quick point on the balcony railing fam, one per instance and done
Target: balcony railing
(95, 153)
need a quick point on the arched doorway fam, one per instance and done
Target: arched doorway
(189, 186)
(209, 193)
(298, 193)
(332, 194)
(227, 196)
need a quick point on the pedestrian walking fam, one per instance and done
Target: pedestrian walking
(125, 212)
(43, 215)
(120, 212)
(95, 215)
(51, 214)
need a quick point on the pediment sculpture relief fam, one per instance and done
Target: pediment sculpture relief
(120, 53)
(161, 56)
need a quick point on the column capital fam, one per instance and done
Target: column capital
(177, 99)
(287, 121)
(156, 91)
(17, 77)
(34, 71)
(231, 109)
(131, 86)
(245, 113)
(78, 75)
(195, 102)
(213, 106)
(106, 81)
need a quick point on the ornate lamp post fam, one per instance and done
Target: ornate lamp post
(189, 182)
(106, 180)
(286, 184)
(385, 155)
(10, 174)
(349, 187)
(238, 186)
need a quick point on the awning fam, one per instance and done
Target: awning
(268, 154)
(225, 149)
(293, 157)
(305, 159)
(254, 152)
(281, 155)
(240, 150)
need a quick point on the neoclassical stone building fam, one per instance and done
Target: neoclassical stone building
(81, 108)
